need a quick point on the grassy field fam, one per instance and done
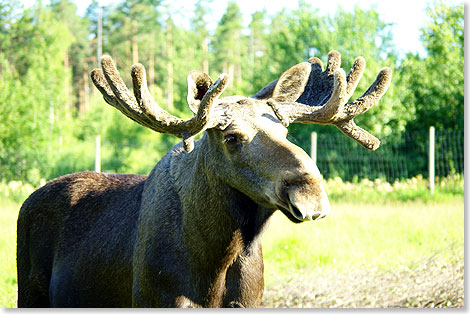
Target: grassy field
(356, 235)
(395, 254)
(8, 284)
(385, 237)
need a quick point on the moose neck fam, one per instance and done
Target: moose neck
(219, 222)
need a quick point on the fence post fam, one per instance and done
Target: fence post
(313, 150)
(97, 154)
(431, 160)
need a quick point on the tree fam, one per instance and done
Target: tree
(292, 34)
(77, 56)
(8, 17)
(200, 43)
(227, 44)
(258, 63)
(33, 84)
(436, 81)
(46, 53)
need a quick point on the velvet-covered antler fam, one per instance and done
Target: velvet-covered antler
(142, 108)
(325, 97)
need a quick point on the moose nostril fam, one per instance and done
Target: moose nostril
(296, 211)
(316, 215)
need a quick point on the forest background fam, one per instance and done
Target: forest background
(51, 113)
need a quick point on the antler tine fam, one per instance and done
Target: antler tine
(335, 103)
(99, 80)
(355, 75)
(316, 61)
(102, 85)
(334, 61)
(202, 118)
(142, 108)
(204, 109)
(149, 108)
(361, 105)
(198, 84)
(370, 97)
(114, 91)
(349, 128)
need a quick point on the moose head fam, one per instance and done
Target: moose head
(245, 137)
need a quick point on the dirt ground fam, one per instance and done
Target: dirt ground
(427, 283)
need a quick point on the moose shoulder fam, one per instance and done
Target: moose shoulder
(188, 234)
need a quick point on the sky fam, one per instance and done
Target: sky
(407, 16)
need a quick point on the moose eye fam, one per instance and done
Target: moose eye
(233, 142)
(231, 139)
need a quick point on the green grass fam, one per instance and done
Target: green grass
(363, 235)
(8, 283)
(386, 234)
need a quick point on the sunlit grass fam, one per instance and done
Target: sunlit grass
(357, 235)
(8, 283)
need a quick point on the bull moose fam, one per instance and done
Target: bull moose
(188, 234)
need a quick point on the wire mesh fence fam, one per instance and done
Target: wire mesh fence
(337, 156)
(450, 158)
(395, 159)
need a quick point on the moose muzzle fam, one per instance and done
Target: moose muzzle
(304, 197)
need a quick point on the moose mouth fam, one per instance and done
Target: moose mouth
(294, 216)
(294, 213)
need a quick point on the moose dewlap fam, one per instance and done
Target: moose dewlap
(188, 234)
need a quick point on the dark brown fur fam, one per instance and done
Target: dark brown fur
(59, 216)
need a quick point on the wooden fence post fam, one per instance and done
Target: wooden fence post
(313, 150)
(98, 154)
(431, 159)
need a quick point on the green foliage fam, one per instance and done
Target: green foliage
(51, 112)
(16, 191)
(77, 54)
(33, 87)
(435, 83)
(229, 47)
(381, 191)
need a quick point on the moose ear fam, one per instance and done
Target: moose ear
(292, 83)
(198, 84)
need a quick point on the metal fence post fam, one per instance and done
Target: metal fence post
(97, 154)
(431, 159)
(313, 150)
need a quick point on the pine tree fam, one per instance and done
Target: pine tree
(227, 44)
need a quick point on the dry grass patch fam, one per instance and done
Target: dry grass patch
(428, 283)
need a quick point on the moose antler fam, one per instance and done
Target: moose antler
(142, 108)
(325, 96)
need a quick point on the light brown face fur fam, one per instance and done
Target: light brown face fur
(255, 157)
